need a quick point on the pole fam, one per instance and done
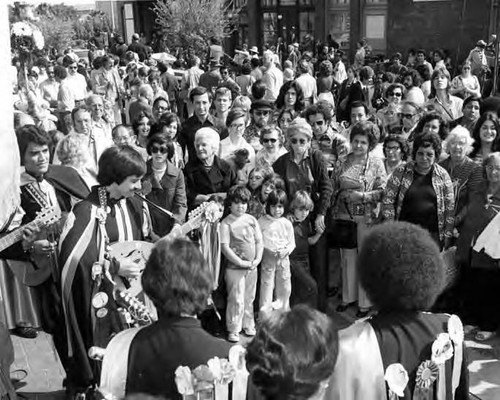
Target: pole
(495, 71)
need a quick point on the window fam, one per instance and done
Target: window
(306, 21)
(334, 3)
(269, 3)
(270, 28)
(340, 25)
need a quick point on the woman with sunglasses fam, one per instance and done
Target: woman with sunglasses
(272, 142)
(465, 84)
(163, 183)
(303, 168)
(389, 114)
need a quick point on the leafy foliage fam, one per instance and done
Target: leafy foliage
(194, 23)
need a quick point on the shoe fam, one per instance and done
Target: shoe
(362, 313)
(27, 332)
(332, 291)
(342, 307)
(250, 332)
(233, 337)
(484, 335)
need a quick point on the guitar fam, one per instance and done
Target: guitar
(26, 271)
(129, 292)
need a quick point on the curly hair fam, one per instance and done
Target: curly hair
(415, 77)
(367, 129)
(137, 121)
(427, 140)
(443, 125)
(117, 163)
(325, 68)
(238, 194)
(321, 107)
(280, 101)
(292, 353)
(400, 267)
(401, 141)
(459, 133)
(73, 150)
(269, 129)
(31, 134)
(176, 278)
(476, 134)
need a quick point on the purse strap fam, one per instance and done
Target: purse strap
(399, 189)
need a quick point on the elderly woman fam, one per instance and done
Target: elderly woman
(293, 355)
(163, 184)
(290, 97)
(401, 269)
(305, 169)
(421, 192)
(395, 152)
(465, 84)
(207, 174)
(272, 141)
(486, 135)
(465, 174)
(441, 101)
(72, 151)
(360, 186)
(478, 252)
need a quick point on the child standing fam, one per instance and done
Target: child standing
(241, 243)
(304, 286)
(279, 242)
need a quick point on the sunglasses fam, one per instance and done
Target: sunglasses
(317, 123)
(75, 68)
(407, 116)
(267, 140)
(261, 113)
(161, 149)
(397, 94)
(295, 141)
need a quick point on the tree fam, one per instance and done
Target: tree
(56, 23)
(196, 23)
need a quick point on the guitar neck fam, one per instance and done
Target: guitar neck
(189, 226)
(15, 236)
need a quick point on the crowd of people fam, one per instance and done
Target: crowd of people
(331, 179)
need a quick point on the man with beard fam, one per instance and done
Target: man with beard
(411, 81)
(260, 112)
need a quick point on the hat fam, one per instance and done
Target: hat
(481, 43)
(35, 71)
(340, 52)
(254, 49)
(261, 105)
(135, 36)
(299, 125)
(214, 63)
(296, 45)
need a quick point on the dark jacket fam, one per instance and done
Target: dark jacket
(200, 181)
(157, 350)
(188, 131)
(170, 194)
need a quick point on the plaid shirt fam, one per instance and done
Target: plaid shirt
(401, 180)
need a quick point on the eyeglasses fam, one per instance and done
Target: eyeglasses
(160, 149)
(407, 116)
(260, 113)
(267, 140)
(397, 94)
(295, 141)
(237, 126)
(74, 68)
(255, 177)
(317, 123)
(392, 148)
(492, 168)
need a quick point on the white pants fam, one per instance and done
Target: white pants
(351, 287)
(275, 274)
(241, 286)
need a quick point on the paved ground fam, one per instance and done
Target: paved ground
(45, 374)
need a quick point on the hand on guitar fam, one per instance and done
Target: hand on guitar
(43, 247)
(30, 235)
(127, 267)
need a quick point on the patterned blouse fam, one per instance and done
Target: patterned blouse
(399, 183)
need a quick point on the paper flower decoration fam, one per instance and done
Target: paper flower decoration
(237, 357)
(204, 378)
(456, 330)
(101, 215)
(442, 349)
(396, 378)
(215, 367)
(427, 373)
(184, 381)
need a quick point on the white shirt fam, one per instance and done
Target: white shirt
(273, 79)
(308, 85)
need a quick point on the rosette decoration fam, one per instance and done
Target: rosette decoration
(456, 332)
(427, 373)
(396, 377)
(25, 38)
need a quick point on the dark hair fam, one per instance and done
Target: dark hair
(276, 197)
(439, 71)
(166, 119)
(258, 89)
(322, 108)
(254, 62)
(365, 72)
(280, 100)
(238, 194)
(120, 126)
(470, 99)
(234, 114)
(117, 163)
(31, 134)
(476, 146)
(443, 125)
(177, 278)
(393, 86)
(356, 104)
(158, 99)
(60, 72)
(424, 72)
(401, 141)
(246, 68)
(154, 76)
(157, 137)
(440, 53)
(400, 267)
(199, 91)
(420, 51)
(137, 120)
(367, 129)
(491, 103)
(427, 140)
(415, 76)
(77, 109)
(292, 353)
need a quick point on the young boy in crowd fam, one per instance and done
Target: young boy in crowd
(242, 245)
(304, 286)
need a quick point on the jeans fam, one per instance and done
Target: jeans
(304, 286)
(275, 278)
(241, 287)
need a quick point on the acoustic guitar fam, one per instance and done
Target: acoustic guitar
(129, 292)
(31, 274)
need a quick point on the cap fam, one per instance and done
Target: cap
(261, 105)
(481, 43)
(254, 49)
(135, 36)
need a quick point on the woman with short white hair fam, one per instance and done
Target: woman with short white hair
(207, 174)
(465, 174)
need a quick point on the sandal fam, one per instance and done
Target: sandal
(483, 335)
